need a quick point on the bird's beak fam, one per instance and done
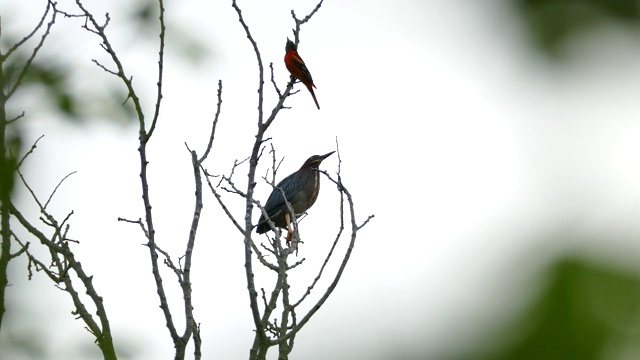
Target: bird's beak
(326, 155)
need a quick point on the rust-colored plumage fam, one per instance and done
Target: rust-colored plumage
(298, 69)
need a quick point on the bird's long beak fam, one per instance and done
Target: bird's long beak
(326, 155)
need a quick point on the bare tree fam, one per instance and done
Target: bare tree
(269, 331)
(66, 271)
(180, 338)
(13, 69)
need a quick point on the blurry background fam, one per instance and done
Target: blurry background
(496, 142)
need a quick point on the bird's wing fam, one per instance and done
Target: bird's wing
(276, 200)
(300, 64)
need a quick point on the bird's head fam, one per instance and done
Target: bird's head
(315, 160)
(290, 46)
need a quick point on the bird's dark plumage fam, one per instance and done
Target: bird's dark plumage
(301, 190)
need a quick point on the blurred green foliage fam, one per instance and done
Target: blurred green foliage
(22, 345)
(587, 311)
(144, 16)
(193, 47)
(54, 80)
(552, 24)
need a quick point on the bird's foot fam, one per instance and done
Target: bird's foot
(289, 236)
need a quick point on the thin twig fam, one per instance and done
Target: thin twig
(33, 147)
(167, 261)
(224, 207)
(56, 188)
(139, 222)
(34, 52)
(258, 57)
(214, 125)
(99, 30)
(261, 258)
(156, 112)
(102, 332)
(273, 81)
(20, 116)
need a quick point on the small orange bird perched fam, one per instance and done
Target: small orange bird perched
(298, 69)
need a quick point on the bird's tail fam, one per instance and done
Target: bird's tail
(313, 95)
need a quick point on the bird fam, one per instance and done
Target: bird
(298, 69)
(300, 189)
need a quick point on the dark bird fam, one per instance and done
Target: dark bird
(301, 191)
(298, 69)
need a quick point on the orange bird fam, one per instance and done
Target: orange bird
(298, 69)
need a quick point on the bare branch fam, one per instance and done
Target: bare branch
(37, 263)
(214, 125)
(56, 188)
(144, 136)
(102, 332)
(365, 222)
(308, 17)
(273, 81)
(139, 222)
(296, 31)
(23, 247)
(264, 297)
(258, 57)
(156, 112)
(327, 258)
(191, 326)
(263, 261)
(299, 262)
(167, 261)
(37, 48)
(224, 207)
(16, 118)
(26, 185)
(33, 147)
(105, 68)
(99, 30)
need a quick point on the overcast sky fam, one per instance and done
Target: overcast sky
(470, 148)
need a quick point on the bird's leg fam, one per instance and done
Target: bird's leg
(287, 219)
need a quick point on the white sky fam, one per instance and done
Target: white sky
(471, 150)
